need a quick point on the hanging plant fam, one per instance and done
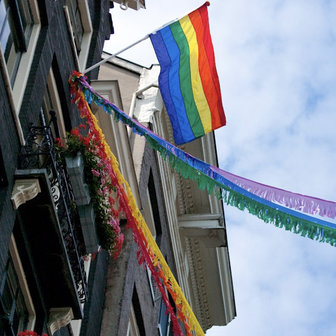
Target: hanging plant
(98, 178)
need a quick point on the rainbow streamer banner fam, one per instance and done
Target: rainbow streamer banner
(148, 251)
(188, 79)
(300, 214)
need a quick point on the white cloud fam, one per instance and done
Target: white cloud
(276, 63)
(279, 96)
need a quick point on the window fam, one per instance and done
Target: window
(164, 320)
(52, 109)
(17, 313)
(52, 121)
(16, 23)
(136, 324)
(133, 329)
(152, 218)
(13, 305)
(154, 208)
(148, 214)
(19, 31)
(80, 28)
(76, 22)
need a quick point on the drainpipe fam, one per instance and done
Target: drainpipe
(137, 94)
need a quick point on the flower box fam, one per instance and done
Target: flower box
(93, 181)
(87, 219)
(75, 168)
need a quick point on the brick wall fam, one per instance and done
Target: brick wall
(53, 50)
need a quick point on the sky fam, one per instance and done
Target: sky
(276, 62)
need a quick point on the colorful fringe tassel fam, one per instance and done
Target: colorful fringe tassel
(272, 205)
(148, 249)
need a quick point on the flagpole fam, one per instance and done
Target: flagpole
(126, 48)
(114, 55)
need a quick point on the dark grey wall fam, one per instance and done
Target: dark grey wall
(93, 310)
(53, 50)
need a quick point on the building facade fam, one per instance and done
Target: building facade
(54, 280)
(43, 281)
(187, 223)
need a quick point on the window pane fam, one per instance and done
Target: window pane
(26, 18)
(4, 25)
(47, 107)
(79, 26)
(10, 289)
(6, 39)
(15, 31)
(76, 23)
(20, 319)
(163, 320)
(13, 300)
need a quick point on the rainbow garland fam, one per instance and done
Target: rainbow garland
(148, 251)
(297, 213)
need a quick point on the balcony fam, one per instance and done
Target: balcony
(51, 222)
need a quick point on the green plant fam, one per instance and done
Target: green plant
(100, 181)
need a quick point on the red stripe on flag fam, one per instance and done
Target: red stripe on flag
(220, 119)
(208, 84)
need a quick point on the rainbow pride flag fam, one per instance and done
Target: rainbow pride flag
(188, 79)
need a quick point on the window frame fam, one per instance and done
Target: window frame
(16, 88)
(82, 54)
(51, 89)
(17, 36)
(15, 261)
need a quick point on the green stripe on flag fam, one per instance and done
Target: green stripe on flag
(185, 79)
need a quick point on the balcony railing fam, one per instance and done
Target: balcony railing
(39, 153)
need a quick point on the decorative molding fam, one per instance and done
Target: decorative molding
(187, 195)
(184, 195)
(24, 190)
(179, 196)
(58, 318)
(198, 282)
(169, 127)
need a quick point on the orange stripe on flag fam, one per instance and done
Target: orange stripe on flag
(204, 67)
(219, 119)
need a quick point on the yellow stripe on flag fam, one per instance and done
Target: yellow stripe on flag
(196, 82)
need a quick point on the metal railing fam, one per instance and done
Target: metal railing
(40, 153)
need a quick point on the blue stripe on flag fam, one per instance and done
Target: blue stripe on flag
(168, 55)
